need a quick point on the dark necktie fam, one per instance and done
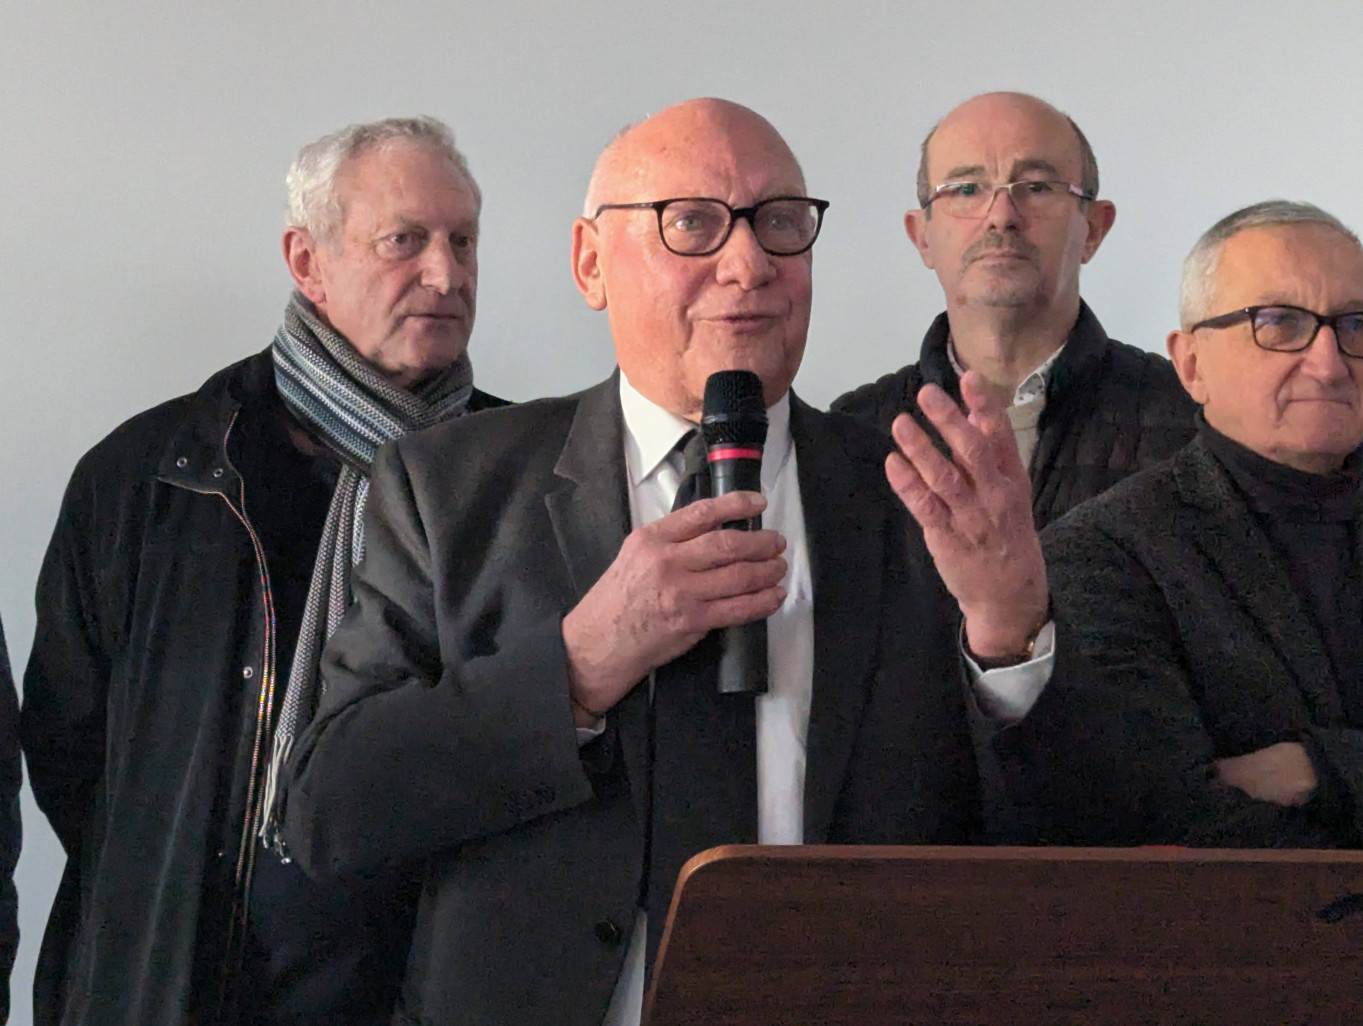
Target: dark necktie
(704, 750)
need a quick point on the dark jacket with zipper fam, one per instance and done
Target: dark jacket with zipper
(1111, 410)
(147, 717)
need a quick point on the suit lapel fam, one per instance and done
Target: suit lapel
(590, 507)
(1224, 529)
(846, 537)
(589, 511)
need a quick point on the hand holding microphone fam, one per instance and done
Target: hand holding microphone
(678, 578)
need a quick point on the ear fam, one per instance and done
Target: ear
(1183, 353)
(300, 253)
(587, 270)
(916, 228)
(1101, 214)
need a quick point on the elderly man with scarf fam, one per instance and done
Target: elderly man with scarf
(202, 555)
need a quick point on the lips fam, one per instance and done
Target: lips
(437, 315)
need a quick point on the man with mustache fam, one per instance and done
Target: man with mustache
(1218, 597)
(201, 558)
(523, 700)
(1007, 190)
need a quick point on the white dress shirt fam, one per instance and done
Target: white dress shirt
(654, 469)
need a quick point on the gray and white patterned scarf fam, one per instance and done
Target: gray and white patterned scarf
(352, 409)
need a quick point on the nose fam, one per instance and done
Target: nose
(1003, 211)
(1323, 359)
(742, 260)
(441, 270)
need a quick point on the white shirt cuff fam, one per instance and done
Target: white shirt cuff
(586, 735)
(1007, 694)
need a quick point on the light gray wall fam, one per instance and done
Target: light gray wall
(144, 147)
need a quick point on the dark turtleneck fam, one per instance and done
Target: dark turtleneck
(1311, 521)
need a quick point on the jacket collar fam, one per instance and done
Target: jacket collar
(1219, 522)
(1080, 358)
(196, 455)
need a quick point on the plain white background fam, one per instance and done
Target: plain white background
(144, 149)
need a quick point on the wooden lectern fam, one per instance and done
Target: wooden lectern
(860, 936)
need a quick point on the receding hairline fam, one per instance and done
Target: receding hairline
(617, 154)
(1088, 161)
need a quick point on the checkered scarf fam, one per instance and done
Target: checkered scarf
(352, 409)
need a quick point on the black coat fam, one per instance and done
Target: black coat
(11, 777)
(446, 736)
(154, 645)
(1197, 647)
(1111, 410)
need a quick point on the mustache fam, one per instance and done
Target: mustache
(1000, 242)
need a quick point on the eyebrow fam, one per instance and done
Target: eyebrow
(964, 171)
(1021, 167)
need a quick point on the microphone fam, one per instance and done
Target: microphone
(734, 425)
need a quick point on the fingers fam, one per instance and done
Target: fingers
(919, 499)
(936, 471)
(721, 548)
(744, 608)
(733, 579)
(705, 515)
(980, 439)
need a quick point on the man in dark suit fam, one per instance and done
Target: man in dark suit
(1218, 597)
(523, 699)
(1008, 213)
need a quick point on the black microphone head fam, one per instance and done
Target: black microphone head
(734, 412)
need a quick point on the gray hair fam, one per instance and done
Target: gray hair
(313, 204)
(1088, 162)
(1200, 266)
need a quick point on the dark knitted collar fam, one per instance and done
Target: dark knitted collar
(1084, 348)
(1286, 493)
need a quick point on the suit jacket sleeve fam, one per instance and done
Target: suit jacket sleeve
(1118, 740)
(432, 730)
(11, 776)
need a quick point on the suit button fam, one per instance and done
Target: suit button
(608, 933)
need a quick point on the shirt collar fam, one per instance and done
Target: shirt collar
(652, 433)
(1031, 387)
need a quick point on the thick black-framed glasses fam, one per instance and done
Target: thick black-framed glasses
(699, 226)
(1283, 328)
(1031, 197)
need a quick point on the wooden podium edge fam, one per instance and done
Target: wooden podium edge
(698, 864)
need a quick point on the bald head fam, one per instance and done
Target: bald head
(675, 319)
(628, 158)
(999, 113)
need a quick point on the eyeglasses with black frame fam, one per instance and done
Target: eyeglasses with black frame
(1041, 197)
(699, 226)
(1282, 328)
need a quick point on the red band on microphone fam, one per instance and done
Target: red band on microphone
(735, 454)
